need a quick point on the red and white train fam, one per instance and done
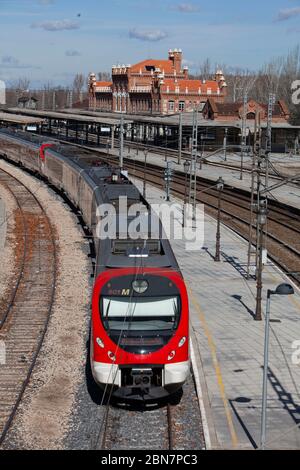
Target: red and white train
(139, 347)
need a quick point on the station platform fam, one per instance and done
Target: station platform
(288, 194)
(227, 344)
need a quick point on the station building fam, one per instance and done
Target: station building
(234, 111)
(154, 87)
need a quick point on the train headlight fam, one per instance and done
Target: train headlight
(182, 342)
(171, 355)
(100, 343)
(140, 286)
(111, 356)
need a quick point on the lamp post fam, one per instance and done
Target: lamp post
(220, 187)
(186, 167)
(145, 167)
(261, 222)
(282, 289)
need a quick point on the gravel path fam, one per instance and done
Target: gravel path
(46, 414)
(7, 243)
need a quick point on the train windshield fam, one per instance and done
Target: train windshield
(140, 314)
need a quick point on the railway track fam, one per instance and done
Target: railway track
(282, 234)
(26, 312)
(169, 153)
(174, 425)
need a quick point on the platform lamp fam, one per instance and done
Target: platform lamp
(186, 168)
(282, 289)
(261, 222)
(220, 188)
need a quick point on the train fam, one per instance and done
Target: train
(139, 340)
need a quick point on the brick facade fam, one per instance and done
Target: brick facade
(154, 87)
(234, 111)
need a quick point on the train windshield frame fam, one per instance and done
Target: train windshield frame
(140, 314)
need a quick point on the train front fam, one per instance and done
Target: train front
(140, 331)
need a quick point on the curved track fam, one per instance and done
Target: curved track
(25, 317)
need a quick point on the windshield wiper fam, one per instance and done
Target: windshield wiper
(107, 309)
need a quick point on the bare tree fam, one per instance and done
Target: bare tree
(22, 84)
(78, 84)
(205, 69)
(104, 76)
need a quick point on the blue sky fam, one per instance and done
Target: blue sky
(51, 40)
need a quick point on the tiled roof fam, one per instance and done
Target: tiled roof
(190, 86)
(234, 109)
(163, 65)
(103, 84)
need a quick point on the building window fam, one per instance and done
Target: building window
(171, 105)
(181, 105)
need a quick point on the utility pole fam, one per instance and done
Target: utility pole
(268, 149)
(262, 212)
(71, 99)
(193, 168)
(145, 169)
(121, 139)
(168, 178)
(54, 101)
(225, 144)
(244, 133)
(43, 100)
(180, 139)
(256, 151)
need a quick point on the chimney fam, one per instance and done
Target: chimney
(176, 57)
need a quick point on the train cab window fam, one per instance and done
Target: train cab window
(125, 247)
(141, 314)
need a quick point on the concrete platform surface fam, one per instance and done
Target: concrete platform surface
(228, 344)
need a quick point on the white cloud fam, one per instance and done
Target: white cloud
(287, 13)
(149, 35)
(72, 53)
(187, 8)
(58, 25)
(10, 62)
